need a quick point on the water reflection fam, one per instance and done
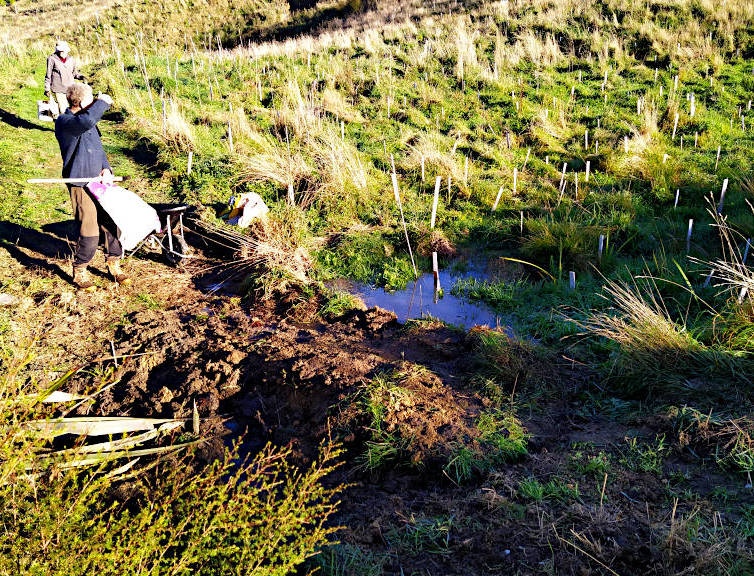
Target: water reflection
(420, 300)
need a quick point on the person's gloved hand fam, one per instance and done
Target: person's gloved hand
(105, 98)
(106, 177)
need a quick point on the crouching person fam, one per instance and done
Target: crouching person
(83, 157)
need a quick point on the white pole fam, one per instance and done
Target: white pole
(677, 194)
(515, 180)
(688, 235)
(743, 293)
(499, 194)
(572, 279)
(600, 247)
(588, 166)
(722, 197)
(190, 161)
(434, 202)
(576, 183)
(675, 125)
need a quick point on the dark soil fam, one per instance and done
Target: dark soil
(285, 375)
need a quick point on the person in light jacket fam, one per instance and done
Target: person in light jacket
(61, 73)
(83, 157)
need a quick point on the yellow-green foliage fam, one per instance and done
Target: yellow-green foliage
(176, 516)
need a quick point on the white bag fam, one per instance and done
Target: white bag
(253, 207)
(134, 218)
(46, 111)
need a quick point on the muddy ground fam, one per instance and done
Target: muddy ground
(284, 374)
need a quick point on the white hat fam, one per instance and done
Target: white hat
(62, 46)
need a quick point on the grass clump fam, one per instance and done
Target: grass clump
(641, 456)
(345, 559)
(504, 363)
(383, 397)
(647, 336)
(502, 439)
(555, 489)
(420, 535)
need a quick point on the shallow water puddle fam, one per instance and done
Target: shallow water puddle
(417, 300)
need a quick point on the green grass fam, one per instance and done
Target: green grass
(555, 489)
(595, 465)
(348, 560)
(502, 440)
(421, 535)
(644, 456)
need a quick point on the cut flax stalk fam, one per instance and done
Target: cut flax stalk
(95, 426)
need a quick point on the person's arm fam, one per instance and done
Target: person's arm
(77, 124)
(48, 74)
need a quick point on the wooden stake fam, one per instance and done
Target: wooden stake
(436, 273)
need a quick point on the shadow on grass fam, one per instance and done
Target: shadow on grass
(17, 122)
(44, 247)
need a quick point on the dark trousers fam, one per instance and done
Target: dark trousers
(90, 220)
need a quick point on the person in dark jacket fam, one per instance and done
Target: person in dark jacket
(61, 73)
(83, 157)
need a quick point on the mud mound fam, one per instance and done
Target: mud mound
(298, 383)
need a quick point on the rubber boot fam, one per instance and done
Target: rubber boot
(83, 280)
(113, 266)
